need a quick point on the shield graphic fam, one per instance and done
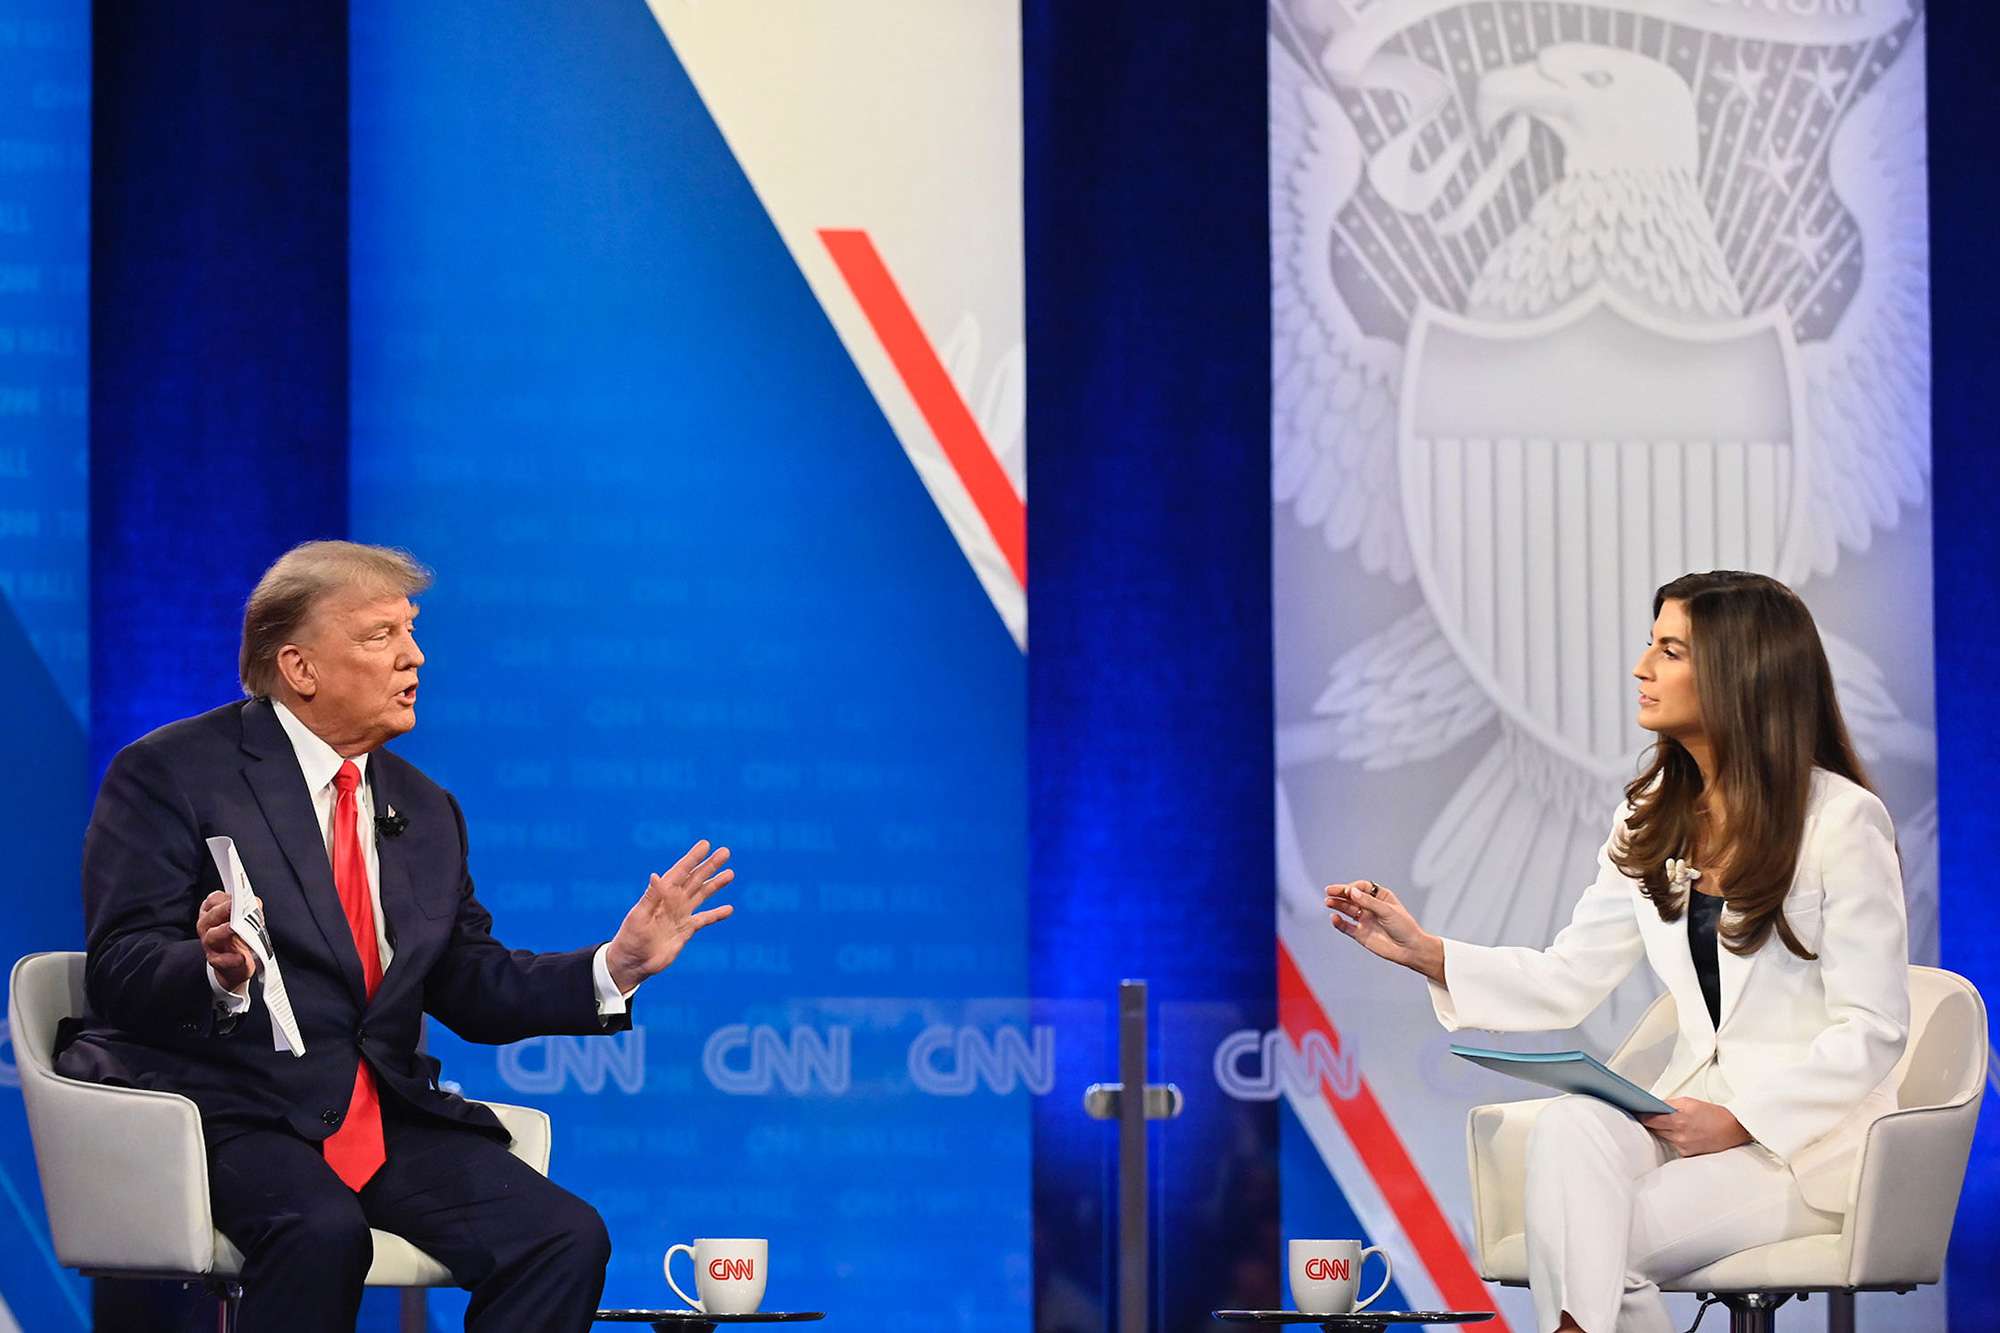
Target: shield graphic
(1556, 471)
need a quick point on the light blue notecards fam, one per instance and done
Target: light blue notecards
(1568, 1071)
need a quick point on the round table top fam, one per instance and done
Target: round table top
(695, 1319)
(1360, 1320)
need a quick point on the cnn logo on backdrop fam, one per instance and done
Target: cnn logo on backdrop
(1317, 1269)
(737, 1270)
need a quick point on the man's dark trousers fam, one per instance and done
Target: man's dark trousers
(531, 1253)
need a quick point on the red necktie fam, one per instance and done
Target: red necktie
(355, 1150)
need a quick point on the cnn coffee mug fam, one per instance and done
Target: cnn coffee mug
(729, 1274)
(1326, 1272)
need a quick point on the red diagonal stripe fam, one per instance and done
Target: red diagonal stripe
(965, 445)
(1387, 1160)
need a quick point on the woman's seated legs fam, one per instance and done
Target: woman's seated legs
(1611, 1213)
(1695, 1210)
(1585, 1160)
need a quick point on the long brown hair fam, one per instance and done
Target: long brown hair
(1769, 711)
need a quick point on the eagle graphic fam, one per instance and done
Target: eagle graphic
(1627, 211)
(1498, 162)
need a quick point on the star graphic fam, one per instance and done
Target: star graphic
(1742, 82)
(1805, 244)
(1826, 79)
(1775, 164)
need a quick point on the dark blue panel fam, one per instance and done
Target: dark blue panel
(218, 334)
(1965, 293)
(218, 362)
(1149, 585)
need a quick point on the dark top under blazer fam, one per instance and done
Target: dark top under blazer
(146, 869)
(1704, 912)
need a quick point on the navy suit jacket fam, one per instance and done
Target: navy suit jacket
(146, 869)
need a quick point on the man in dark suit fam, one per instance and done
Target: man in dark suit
(359, 862)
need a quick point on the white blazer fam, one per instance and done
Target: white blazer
(1805, 1047)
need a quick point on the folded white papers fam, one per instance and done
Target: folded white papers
(246, 918)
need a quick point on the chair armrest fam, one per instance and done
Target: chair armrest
(1906, 1192)
(1496, 1154)
(530, 1129)
(124, 1176)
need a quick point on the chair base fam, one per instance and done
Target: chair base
(1754, 1311)
(1757, 1311)
(228, 1295)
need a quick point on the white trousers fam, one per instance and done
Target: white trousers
(1612, 1212)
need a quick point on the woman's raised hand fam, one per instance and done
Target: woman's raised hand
(1375, 918)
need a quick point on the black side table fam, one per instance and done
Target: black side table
(1362, 1321)
(693, 1321)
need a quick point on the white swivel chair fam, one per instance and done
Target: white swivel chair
(1906, 1189)
(124, 1174)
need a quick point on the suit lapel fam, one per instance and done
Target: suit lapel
(280, 788)
(1734, 969)
(398, 904)
(1668, 952)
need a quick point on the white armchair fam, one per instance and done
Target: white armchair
(124, 1174)
(1905, 1193)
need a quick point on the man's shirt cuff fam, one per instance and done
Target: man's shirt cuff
(228, 1001)
(610, 1000)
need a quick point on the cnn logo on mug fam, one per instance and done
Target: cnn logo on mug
(729, 1275)
(1325, 1274)
(1329, 1270)
(732, 1270)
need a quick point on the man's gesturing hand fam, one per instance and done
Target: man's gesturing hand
(231, 958)
(664, 918)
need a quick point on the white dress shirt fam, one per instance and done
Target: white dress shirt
(320, 763)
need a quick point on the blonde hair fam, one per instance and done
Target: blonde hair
(300, 580)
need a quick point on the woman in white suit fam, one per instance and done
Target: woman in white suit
(1753, 869)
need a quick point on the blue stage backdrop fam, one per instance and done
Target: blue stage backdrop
(1150, 594)
(44, 571)
(218, 351)
(689, 586)
(1965, 290)
(218, 373)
